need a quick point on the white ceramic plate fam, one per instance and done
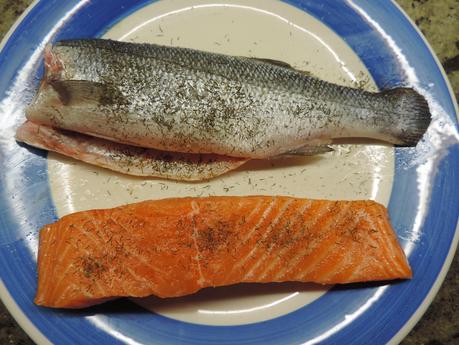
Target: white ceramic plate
(354, 42)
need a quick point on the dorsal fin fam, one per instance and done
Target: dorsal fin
(273, 62)
(280, 64)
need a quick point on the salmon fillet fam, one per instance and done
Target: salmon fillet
(175, 247)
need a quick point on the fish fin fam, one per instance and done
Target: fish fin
(280, 64)
(72, 92)
(412, 114)
(307, 150)
(273, 62)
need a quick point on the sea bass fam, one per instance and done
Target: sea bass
(185, 100)
(127, 159)
(175, 247)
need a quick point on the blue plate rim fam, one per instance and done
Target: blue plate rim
(423, 307)
(40, 338)
(19, 316)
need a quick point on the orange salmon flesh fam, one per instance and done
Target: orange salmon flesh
(175, 247)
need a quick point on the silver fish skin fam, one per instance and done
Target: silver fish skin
(127, 159)
(185, 100)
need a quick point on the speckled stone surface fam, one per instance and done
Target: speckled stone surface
(439, 21)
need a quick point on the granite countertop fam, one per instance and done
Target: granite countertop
(438, 20)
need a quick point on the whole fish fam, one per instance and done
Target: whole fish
(185, 100)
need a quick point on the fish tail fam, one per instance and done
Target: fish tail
(411, 114)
